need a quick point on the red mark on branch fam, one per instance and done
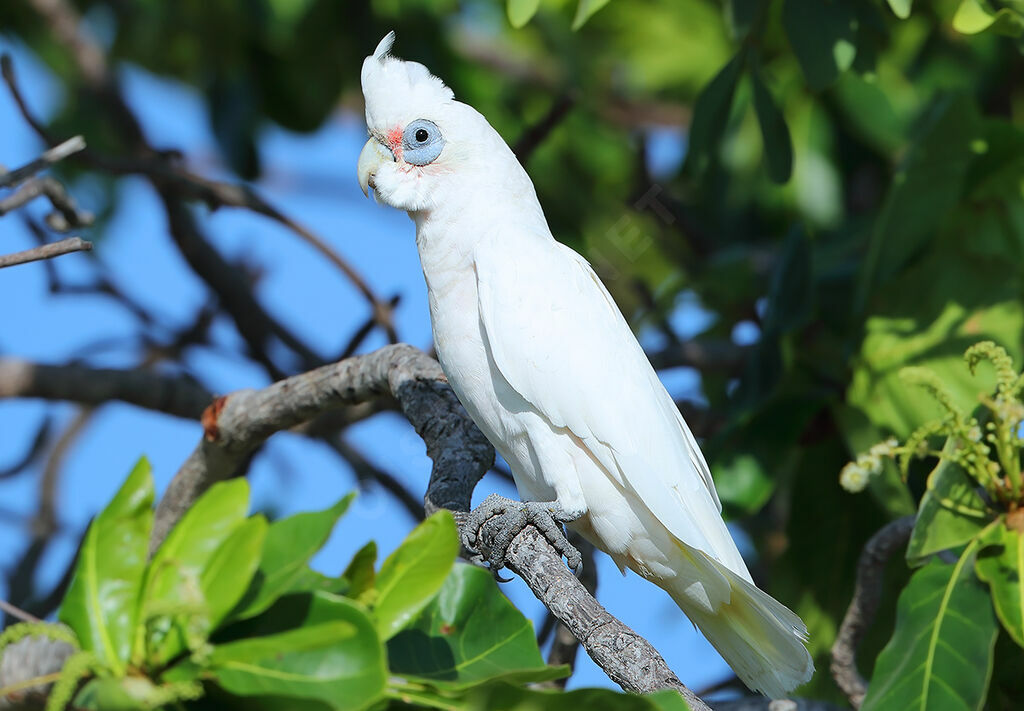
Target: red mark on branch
(209, 419)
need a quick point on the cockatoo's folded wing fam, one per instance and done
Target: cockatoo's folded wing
(561, 343)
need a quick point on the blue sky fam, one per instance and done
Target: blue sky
(312, 178)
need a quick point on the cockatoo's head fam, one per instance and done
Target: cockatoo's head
(425, 147)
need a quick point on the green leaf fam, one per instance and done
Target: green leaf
(230, 570)
(974, 16)
(950, 515)
(505, 697)
(360, 574)
(1001, 565)
(711, 114)
(289, 545)
(585, 10)
(823, 36)
(102, 604)
(521, 11)
(742, 483)
(940, 654)
(791, 292)
(778, 147)
(901, 8)
(924, 191)
(412, 575)
(173, 601)
(470, 633)
(742, 14)
(335, 657)
(126, 694)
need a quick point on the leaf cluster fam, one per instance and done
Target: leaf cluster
(942, 651)
(227, 613)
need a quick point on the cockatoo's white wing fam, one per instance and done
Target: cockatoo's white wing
(561, 343)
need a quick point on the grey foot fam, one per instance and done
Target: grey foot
(488, 530)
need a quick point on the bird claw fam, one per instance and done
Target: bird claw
(488, 530)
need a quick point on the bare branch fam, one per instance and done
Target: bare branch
(66, 215)
(626, 657)
(867, 594)
(48, 158)
(16, 612)
(565, 646)
(175, 395)
(235, 425)
(46, 251)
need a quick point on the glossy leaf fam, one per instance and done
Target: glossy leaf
(585, 9)
(505, 697)
(102, 604)
(521, 12)
(469, 633)
(335, 657)
(1001, 565)
(951, 513)
(711, 113)
(823, 36)
(173, 593)
(230, 570)
(778, 147)
(411, 576)
(289, 545)
(940, 654)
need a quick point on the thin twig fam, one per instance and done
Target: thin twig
(46, 251)
(53, 155)
(15, 611)
(867, 595)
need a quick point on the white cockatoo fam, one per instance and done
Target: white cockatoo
(547, 367)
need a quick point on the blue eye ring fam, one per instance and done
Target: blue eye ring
(421, 142)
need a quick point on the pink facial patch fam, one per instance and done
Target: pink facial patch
(394, 139)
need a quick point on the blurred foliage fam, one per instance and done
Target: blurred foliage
(853, 191)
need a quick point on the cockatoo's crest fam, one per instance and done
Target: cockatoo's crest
(397, 91)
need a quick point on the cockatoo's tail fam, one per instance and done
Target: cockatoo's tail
(548, 368)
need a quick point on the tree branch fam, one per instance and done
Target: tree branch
(174, 395)
(237, 424)
(860, 614)
(56, 154)
(46, 251)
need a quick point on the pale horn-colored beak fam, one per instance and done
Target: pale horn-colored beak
(374, 154)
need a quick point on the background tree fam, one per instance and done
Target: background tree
(792, 200)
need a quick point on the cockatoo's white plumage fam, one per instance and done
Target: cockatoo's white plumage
(546, 365)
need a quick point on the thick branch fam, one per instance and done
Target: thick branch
(237, 424)
(867, 594)
(626, 657)
(175, 395)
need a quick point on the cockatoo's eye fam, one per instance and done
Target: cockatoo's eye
(421, 142)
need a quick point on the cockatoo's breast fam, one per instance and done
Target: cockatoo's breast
(450, 274)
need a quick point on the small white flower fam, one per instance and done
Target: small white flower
(854, 477)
